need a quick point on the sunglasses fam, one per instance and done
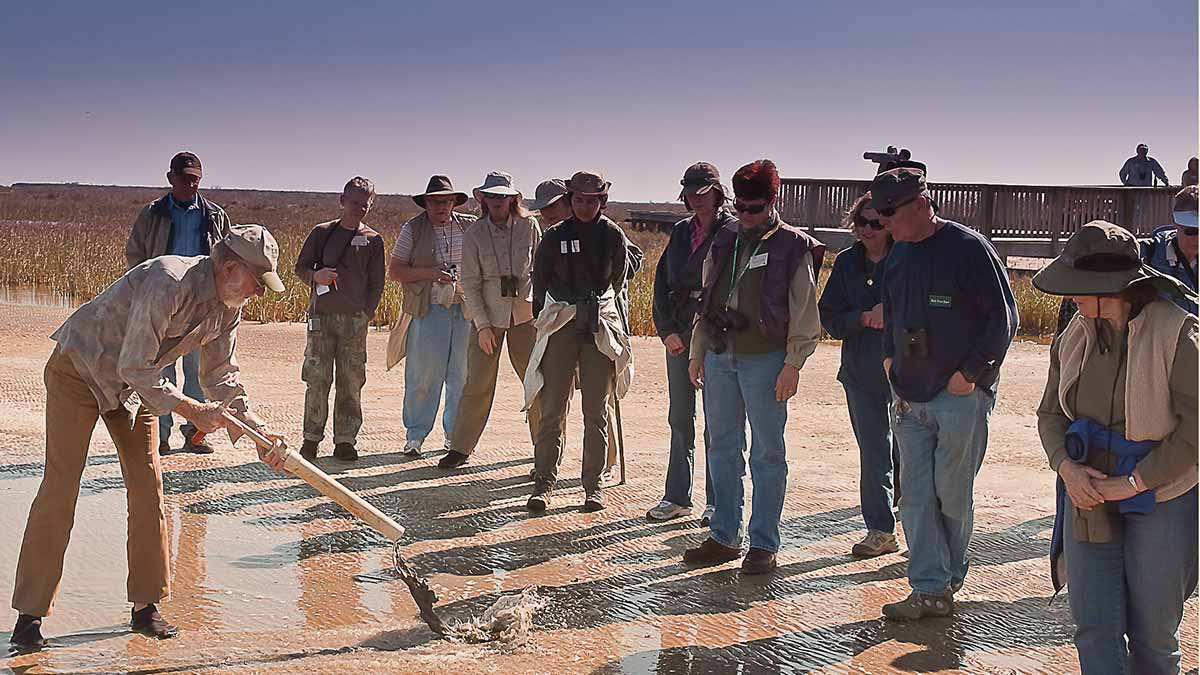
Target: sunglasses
(743, 207)
(889, 211)
(873, 224)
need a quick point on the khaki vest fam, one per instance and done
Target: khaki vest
(415, 299)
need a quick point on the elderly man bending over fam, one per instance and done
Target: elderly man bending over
(108, 364)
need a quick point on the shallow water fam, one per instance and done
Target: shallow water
(34, 296)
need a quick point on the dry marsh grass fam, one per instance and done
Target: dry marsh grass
(70, 240)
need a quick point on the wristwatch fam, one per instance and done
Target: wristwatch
(1133, 483)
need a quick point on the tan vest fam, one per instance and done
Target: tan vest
(415, 299)
(1153, 338)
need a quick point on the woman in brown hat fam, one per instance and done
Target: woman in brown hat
(1118, 423)
(579, 270)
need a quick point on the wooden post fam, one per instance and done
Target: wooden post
(983, 212)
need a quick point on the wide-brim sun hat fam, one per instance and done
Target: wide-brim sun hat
(499, 184)
(1103, 259)
(440, 185)
(548, 192)
(589, 183)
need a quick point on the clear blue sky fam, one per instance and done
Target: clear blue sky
(303, 95)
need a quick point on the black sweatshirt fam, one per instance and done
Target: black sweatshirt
(578, 259)
(953, 286)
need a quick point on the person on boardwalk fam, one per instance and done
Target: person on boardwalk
(181, 222)
(433, 329)
(342, 261)
(579, 269)
(757, 325)
(948, 319)
(852, 311)
(1191, 175)
(677, 290)
(108, 364)
(1141, 169)
(497, 280)
(1118, 424)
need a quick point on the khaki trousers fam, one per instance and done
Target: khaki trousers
(565, 350)
(71, 413)
(479, 392)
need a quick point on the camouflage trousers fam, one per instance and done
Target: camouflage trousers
(336, 356)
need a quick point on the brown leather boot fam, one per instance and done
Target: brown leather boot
(711, 552)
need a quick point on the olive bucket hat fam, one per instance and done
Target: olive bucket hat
(1103, 259)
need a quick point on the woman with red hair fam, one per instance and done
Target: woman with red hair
(758, 324)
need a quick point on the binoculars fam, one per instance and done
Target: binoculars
(720, 324)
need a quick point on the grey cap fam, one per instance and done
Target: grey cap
(256, 247)
(498, 183)
(548, 191)
(891, 189)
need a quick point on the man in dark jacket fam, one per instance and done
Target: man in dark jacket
(677, 290)
(181, 222)
(948, 319)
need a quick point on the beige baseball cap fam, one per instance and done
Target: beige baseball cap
(255, 246)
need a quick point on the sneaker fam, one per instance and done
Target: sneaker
(445, 449)
(876, 543)
(706, 517)
(711, 552)
(539, 502)
(759, 561)
(453, 460)
(200, 448)
(345, 452)
(593, 502)
(411, 449)
(610, 477)
(308, 450)
(150, 623)
(667, 511)
(918, 606)
(27, 634)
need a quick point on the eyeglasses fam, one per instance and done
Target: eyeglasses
(873, 224)
(743, 207)
(889, 211)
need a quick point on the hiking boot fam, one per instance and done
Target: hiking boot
(711, 552)
(539, 501)
(164, 447)
(200, 448)
(453, 460)
(759, 561)
(345, 452)
(150, 623)
(706, 517)
(593, 502)
(918, 606)
(876, 543)
(668, 511)
(610, 477)
(308, 450)
(27, 634)
(412, 449)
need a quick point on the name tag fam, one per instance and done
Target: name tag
(939, 301)
(564, 247)
(569, 246)
(322, 289)
(757, 261)
(575, 246)
(360, 240)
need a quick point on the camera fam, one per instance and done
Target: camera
(452, 270)
(587, 315)
(916, 343)
(720, 324)
(508, 286)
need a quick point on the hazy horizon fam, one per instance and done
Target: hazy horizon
(300, 97)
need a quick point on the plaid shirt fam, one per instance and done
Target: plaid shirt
(157, 312)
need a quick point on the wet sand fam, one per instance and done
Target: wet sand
(269, 577)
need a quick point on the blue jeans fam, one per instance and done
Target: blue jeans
(869, 418)
(191, 389)
(1135, 587)
(942, 443)
(738, 388)
(436, 356)
(681, 415)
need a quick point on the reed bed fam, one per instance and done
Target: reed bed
(70, 240)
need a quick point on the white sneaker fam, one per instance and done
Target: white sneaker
(610, 477)
(876, 543)
(667, 511)
(412, 449)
